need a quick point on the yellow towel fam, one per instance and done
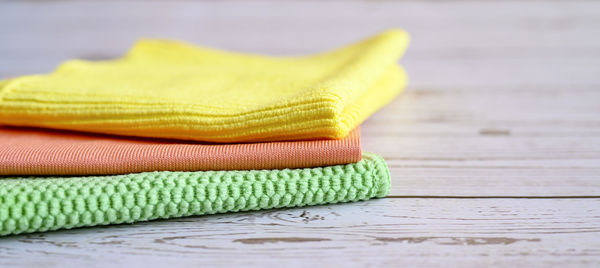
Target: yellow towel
(175, 90)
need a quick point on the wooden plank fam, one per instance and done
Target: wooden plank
(396, 232)
(276, 27)
(530, 142)
(493, 43)
(503, 123)
(450, 24)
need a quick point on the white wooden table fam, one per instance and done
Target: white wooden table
(494, 149)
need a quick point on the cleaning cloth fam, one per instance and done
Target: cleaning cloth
(43, 204)
(29, 151)
(170, 89)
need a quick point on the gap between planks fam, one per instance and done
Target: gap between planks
(493, 197)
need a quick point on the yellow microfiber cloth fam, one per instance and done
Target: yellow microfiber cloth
(171, 89)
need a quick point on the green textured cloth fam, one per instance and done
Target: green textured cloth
(37, 204)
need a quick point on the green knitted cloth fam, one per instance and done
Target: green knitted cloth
(42, 204)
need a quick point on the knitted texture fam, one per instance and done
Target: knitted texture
(171, 89)
(26, 151)
(37, 205)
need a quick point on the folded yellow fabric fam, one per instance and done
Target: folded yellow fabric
(174, 90)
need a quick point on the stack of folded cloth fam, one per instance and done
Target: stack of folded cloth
(173, 130)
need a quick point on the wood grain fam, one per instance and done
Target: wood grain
(395, 232)
(497, 138)
(490, 142)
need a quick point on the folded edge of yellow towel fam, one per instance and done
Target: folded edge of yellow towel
(171, 89)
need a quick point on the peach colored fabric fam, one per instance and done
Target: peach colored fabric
(27, 151)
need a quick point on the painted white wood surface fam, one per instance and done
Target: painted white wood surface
(504, 101)
(502, 95)
(393, 232)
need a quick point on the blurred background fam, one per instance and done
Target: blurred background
(454, 43)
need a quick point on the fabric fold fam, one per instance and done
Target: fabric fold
(42, 204)
(28, 151)
(169, 89)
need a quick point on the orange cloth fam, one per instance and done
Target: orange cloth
(26, 151)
